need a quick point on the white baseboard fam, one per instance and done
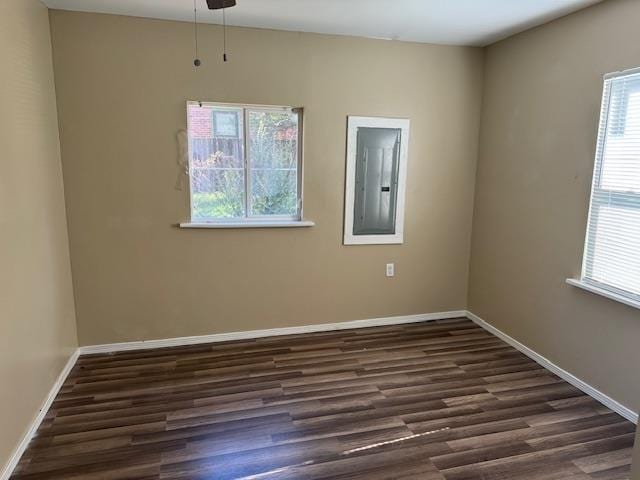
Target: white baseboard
(35, 423)
(549, 365)
(272, 332)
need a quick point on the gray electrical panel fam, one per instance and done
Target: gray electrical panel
(376, 188)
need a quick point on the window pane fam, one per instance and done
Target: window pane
(616, 248)
(621, 159)
(273, 162)
(216, 159)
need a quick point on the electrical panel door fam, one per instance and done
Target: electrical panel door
(376, 182)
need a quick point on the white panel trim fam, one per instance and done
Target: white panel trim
(549, 365)
(224, 337)
(353, 123)
(7, 471)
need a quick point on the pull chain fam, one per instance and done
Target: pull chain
(224, 34)
(196, 61)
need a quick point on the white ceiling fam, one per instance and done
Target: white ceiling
(452, 22)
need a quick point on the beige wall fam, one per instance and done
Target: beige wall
(122, 85)
(539, 125)
(37, 325)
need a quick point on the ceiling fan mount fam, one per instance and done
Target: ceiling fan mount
(218, 4)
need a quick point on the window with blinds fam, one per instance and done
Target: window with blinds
(612, 249)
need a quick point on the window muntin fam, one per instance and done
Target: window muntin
(612, 250)
(244, 162)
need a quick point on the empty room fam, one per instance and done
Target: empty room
(319, 239)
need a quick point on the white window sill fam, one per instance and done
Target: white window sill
(605, 293)
(253, 224)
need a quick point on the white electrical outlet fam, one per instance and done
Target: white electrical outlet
(391, 270)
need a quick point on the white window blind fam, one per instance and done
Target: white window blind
(612, 250)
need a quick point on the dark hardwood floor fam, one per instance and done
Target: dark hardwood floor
(430, 401)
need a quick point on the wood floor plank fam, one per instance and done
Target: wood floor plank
(441, 400)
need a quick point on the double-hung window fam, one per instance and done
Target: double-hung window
(612, 249)
(245, 163)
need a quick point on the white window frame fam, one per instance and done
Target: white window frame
(248, 220)
(355, 122)
(585, 282)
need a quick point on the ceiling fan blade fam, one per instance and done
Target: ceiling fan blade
(218, 4)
